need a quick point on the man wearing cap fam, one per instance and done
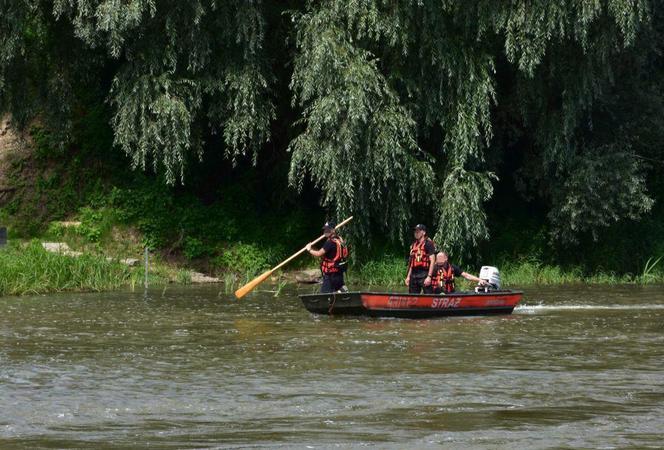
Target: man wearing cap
(333, 265)
(420, 262)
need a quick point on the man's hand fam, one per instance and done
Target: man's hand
(308, 247)
(427, 281)
(407, 281)
(483, 282)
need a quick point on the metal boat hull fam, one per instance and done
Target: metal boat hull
(382, 304)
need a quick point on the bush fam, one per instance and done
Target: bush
(194, 248)
(244, 258)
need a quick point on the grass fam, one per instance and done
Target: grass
(183, 276)
(280, 286)
(29, 269)
(649, 274)
(26, 268)
(528, 272)
(229, 282)
(391, 271)
(533, 272)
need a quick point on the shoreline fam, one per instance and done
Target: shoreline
(28, 269)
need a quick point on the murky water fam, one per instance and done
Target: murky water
(190, 368)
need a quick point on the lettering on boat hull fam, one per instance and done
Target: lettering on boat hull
(451, 302)
(401, 302)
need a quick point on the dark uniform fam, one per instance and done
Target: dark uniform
(333, 265)
(419, 265)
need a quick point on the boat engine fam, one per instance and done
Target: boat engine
(491, 275)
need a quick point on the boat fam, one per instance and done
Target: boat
(385, 304)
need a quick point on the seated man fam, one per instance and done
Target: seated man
(444, 273)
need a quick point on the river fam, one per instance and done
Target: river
(191, 367)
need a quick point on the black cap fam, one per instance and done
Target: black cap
(419, 226)
(329, 225)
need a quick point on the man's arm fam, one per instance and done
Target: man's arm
(410, 260)
(316, 253)
(432, 261)
(470, 277)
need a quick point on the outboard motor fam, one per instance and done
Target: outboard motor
(491, 275)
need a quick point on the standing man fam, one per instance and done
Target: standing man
(334, 263)
(444, 272)
(420, 262)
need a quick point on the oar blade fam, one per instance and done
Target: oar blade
(244, 290)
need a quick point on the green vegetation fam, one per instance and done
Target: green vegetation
(31, 269)
(534, 272)
(229, 238)
(221, 134)
(388, 271)
(391, 272)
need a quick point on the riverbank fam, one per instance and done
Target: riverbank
(390, 271)
(89, 200)
(27, 268)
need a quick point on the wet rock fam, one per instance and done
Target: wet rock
(131, 262)
(309, 276)
(56, 247)
(68, 224)
(61, 248)
(197, 277)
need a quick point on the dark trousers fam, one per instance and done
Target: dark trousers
(332, 282)
(417, 286)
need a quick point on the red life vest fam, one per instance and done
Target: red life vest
(419, 258)
(446, 277)
(443, 277)
(436, 276)
(338, 263)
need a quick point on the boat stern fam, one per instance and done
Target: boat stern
(334, 303)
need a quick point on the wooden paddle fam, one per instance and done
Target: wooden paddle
(244, 290)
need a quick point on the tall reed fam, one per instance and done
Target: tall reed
(32, 270)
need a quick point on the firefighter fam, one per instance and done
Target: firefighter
(420, 262)
(335, 260)
(444, 272)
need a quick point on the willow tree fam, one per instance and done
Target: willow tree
(177, 69)
(359, 143)
(403, 105)
(434, 63)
